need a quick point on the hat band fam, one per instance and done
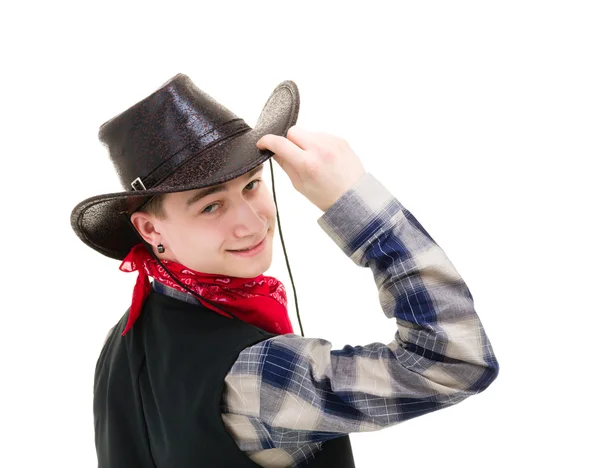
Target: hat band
(220, 133)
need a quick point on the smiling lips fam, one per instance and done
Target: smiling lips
(249, 248)
(252, 251)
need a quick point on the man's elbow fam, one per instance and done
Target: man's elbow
(488, 375)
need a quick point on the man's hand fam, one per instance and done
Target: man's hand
(322, 167)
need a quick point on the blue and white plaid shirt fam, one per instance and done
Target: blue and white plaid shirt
(288, 394)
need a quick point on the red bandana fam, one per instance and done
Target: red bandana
(260, 301)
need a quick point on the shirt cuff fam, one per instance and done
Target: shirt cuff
(359, 214)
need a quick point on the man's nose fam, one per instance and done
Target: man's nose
(248, 220)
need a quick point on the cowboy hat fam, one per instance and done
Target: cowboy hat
(178, 138)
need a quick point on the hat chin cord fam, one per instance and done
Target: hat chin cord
(151, 250)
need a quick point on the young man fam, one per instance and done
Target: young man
(204, 367)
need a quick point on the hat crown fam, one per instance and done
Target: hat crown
(161, 129)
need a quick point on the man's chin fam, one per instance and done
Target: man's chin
(252, 271)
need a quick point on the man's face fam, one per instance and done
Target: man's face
(199, 232)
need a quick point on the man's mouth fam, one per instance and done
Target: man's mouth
(251, 247)
(245, 250)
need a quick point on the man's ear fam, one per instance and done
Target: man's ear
(144, 223)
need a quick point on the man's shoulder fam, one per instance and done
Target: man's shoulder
(109, 333)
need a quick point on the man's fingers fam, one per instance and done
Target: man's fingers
(283, 148)
(302, 138)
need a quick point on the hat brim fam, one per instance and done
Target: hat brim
(102, 221)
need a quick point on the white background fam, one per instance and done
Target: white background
(481, 117)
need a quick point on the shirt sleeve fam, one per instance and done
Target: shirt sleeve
(299, 390)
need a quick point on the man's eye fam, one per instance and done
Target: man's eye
(204, 210)
(258, 181)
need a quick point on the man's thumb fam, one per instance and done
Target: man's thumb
(265, 142)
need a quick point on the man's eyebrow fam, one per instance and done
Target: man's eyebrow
(217, 188)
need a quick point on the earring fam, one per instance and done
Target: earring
(160, 248)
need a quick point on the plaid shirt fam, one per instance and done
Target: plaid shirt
(288, 394)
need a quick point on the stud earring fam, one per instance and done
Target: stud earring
(160, 248)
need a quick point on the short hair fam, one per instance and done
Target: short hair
(155, 207)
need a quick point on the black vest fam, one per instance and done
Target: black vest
(157, 391)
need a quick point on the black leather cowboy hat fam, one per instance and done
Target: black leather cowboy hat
(178, 138)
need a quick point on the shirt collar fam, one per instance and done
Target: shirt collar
(175, 293)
